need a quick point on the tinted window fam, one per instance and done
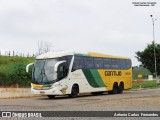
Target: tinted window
(128, 64)
(67, 59)
(88, 62)
(116, 64)
(78, 63)
(123, 64)
(98, 62)
(107, 63)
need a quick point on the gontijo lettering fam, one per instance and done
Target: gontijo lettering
(113, 73)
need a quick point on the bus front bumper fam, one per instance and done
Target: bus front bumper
(51, 91)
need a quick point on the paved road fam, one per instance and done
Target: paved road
(141, 100)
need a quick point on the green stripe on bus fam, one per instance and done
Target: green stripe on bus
(90, 78)
(97, 77)
(47, 85)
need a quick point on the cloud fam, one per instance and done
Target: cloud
(112, 27)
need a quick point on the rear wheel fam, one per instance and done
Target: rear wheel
(121, 88)
(51, 96)
(74, 92)
(114, 90)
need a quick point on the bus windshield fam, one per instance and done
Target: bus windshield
(43, 71)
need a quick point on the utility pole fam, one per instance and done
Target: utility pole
(155, 61)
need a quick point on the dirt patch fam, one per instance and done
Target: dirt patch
(12, 86)
(137, 82)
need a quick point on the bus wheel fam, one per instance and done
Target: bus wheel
(51, 96)
(115, 89)
(74, 92)
(120, 88)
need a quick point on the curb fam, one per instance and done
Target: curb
(15, 93)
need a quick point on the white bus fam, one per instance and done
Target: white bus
(72, 73)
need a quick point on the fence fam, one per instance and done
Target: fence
(13, 53)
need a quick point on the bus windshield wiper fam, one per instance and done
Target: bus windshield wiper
(43, 73)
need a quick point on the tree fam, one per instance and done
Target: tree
(146, 57)
(43, 47)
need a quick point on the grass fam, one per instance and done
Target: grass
(6, 64)
(144, 84)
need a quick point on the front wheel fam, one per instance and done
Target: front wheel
(74, 92)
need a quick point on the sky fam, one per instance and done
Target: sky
(115, 27)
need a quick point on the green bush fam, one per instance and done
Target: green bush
(17, 72)
(2, 78)
(12, 71)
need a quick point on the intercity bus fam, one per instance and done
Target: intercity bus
(72, 73)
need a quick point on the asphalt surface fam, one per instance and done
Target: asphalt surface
(140, 100)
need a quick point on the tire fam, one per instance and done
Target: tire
(51, 96)
(114, 90)
(74, 92)
(120, 88)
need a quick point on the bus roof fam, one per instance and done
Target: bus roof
(65, 53)
(94, 54)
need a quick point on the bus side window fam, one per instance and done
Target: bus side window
(116, 64)
(123, 64)
(128, 64)
(107, 63)
(62, 71)
(78, 63)
(88, 62)
(98, 63)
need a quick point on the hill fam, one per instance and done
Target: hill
(140, 71)
(12, 70)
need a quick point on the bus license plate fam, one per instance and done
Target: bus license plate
(42, 92)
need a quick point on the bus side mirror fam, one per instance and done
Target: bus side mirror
(57, 64)
(27, 67)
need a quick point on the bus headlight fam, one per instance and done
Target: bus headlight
(56, 84)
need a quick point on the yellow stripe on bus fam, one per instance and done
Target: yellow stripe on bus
(36, 86)
(94, 54)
